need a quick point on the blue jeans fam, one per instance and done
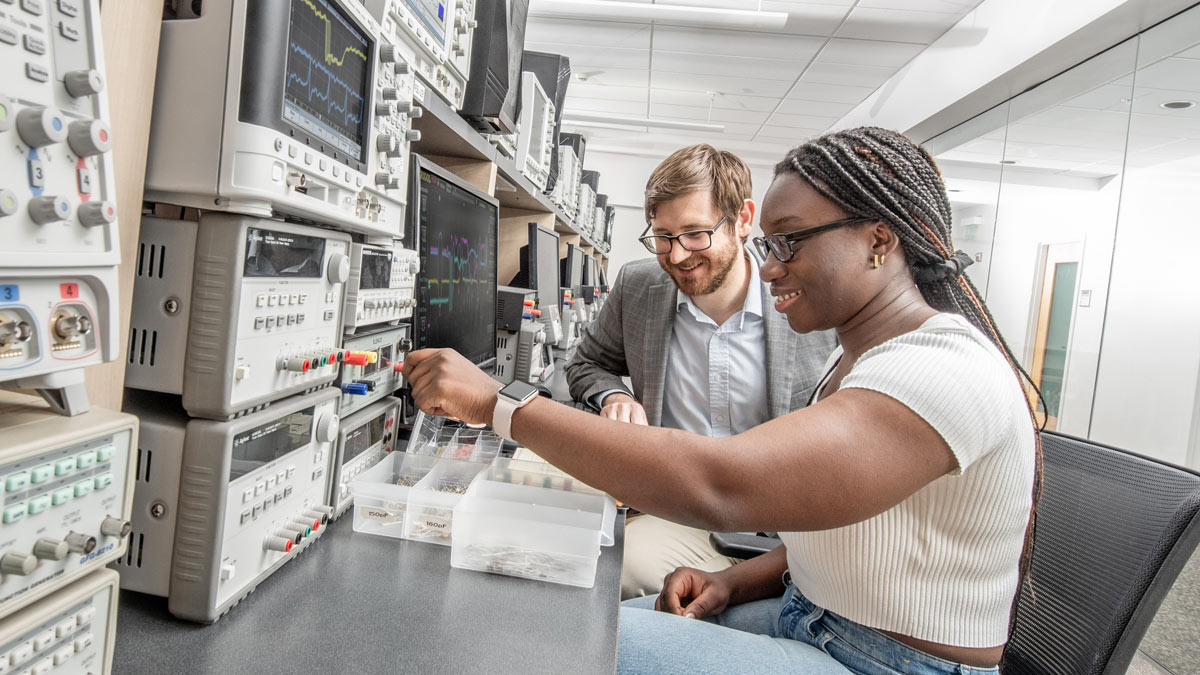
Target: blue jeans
(780, 635)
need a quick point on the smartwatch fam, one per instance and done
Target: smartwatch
(511, 396)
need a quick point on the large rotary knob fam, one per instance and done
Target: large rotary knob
(51, 549)
(89, 137)
(39, 126)
(96, 213)
(387, 143)
(387, 53)
(18, 564)
(339, 269)
(327, 428)
(48, 209)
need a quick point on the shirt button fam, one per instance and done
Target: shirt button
(720, 418)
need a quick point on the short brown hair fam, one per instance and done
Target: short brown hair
(700, 167)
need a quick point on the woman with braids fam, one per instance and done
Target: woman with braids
(902, 494)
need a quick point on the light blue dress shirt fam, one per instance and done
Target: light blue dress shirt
(716, 381)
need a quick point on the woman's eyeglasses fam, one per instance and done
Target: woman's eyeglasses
(780, 245)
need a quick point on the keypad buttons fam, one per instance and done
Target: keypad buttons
(15, 482)
(85, 459)
(41, 474)
(38, 504)
(103, 480)
(62, 496)
(64, 466)
(14, 512)
(105, 453)
(84, 488)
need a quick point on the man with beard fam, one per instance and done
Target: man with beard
(694, 336)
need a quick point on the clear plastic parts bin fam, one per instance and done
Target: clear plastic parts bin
(446, 438)
(431, 502)
(381, 492)
(551, 530)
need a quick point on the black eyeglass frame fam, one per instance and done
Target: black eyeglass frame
(649, 239)
(786, 240)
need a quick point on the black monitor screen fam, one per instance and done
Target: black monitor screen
(588, 280)
(547, 267)
(282, 254)
(455, 232)
(328, 75)
(573, 268)
(376, 269)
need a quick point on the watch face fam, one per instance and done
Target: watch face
(519, 391)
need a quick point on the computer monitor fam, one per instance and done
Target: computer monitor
(603, 279)
(587, 279)
(572, 269)
(453, 226)
(539, 265)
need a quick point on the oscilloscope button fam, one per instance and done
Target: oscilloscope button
(96, 213)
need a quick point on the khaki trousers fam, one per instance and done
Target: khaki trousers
(655, 547)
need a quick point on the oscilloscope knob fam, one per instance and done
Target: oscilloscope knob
(387, 53)
(402, 68)
(18, 564)
(39, 126)
(386, 143)
(80, 83)
(51, 549)
(339, 269)
(382, 179)
(404, 107)
(389, 94)
(385, 109)
(327, 428)
(412, 135)
(89, 137)
(95, 213)
(48, 209)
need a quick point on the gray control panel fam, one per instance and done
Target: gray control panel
(365, 437)
(371, 368)
(222, 505)
(71, 632)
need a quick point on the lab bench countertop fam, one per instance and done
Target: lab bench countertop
(363, 604)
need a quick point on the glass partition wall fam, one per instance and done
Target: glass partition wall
(1080, 202)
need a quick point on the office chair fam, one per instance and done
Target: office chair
(1114, 531)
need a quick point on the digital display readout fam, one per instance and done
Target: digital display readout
(283, 254)
(266, 443)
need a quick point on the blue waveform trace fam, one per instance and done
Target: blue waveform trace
(347, 115)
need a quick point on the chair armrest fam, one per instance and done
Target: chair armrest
(743, 544)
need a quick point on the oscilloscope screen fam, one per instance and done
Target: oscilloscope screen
(456, 229)
(328, 75)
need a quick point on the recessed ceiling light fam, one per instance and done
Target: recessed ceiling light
(1008, 161)
(1176, 105)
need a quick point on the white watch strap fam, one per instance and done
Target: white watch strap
(502, 416)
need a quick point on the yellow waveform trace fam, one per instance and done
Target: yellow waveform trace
(329, 57)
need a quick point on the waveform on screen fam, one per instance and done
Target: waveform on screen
(457, 270)
(329, 57)
(348, 113)
(329, 78)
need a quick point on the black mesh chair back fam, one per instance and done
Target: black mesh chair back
(1114, 530)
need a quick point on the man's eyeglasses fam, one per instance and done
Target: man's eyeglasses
(696, 240)
(780, 245)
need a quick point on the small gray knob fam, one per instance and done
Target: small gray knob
(382, 179)
(389, 94)
(387, 53)
(96, 213)
(384, 109)
(81, 543)
(40, 126)
(416, 112)
(402, 68)
(90, 137)
(387, 143)
(81, 83)
(49, 549)
(115, 527)
(49, 209)
(18, 564)
(412, 135)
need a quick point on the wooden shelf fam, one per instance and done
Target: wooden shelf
(445, 133)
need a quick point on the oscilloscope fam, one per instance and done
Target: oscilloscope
(454, 226)
(435, 36)
(234, 312)
(535, 136)
(380, 286)
(303, 128)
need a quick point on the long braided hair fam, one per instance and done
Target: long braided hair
(882, 175)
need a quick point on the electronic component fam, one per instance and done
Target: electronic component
(372, 365)
(380, 287)
(522, 349)
(271, 108)
(571, 271)
(455, 228)
(53, 322)
(435, 36)
(57, 196)
(234, 312)
(565, 193)
(71, 632)
(221, 505)
(68, 490)
(585, 213)
(493, 87)
(570, 321)
(365, 438)
(610, 221)
(540, 266)
(535, 140)
(553, 73)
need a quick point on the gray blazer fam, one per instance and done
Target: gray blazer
(632, 335)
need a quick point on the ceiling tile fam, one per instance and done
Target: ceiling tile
(704, 114)
(597, 33)
(732, 85)
(949, 6)
(725, 101)
(791, 135)
(591, 56)
(624, 77)
(601, 105)
(730, 127)
(729, 66)
(868, 53)
(577, 89)
(1190, 53)
(833, 93)
(735, 43)
(802, 121)
(815, 108)
(1173, 73)
(896, 25)
(841, 73)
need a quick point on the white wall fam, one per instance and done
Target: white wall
(623, 179)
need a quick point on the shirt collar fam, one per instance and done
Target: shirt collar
(752, 305)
